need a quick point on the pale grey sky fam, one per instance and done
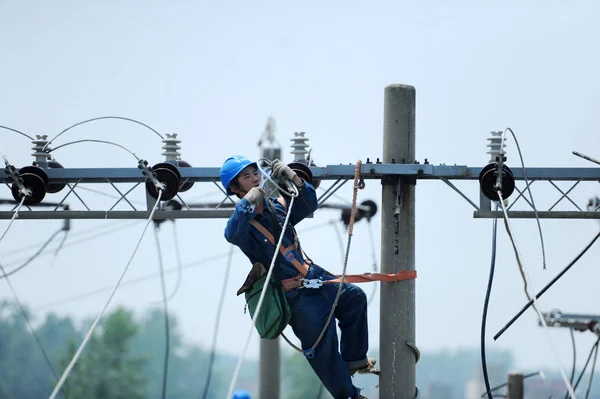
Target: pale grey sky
(213, 73)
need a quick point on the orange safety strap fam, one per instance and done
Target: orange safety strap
(295, 282)
(285, 251)
(368, 277)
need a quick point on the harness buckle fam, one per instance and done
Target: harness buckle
(312, 283)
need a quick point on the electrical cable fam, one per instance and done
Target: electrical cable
(93, 230)
(33, 257)
(166, 313)
(535, 306)
(213, 347)
(97, 291)
(535, 211)
(594, 348)
(20, 304)
(587, 393)
(485, 308)
(574, 359)
(94, 141)
(95, 323)
(99, 118)
(16, 131)
(200, 262)
(554, 280)
(179, 264)
(259, 304)
(60, 247)
(4, 158)
(14, 216)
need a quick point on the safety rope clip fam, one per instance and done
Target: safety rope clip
(309, 353)
(312, 283)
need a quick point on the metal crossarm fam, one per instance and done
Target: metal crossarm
(74, 178)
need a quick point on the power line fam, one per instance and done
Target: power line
(95, 323)
(199, 262)
(213, 347)
(486, 302)
(534, 299)
(166, 315)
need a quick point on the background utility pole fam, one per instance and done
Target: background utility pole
(515, 386)
(269, 364)
(397, 318)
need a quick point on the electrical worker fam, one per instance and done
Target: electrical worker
(310, 307)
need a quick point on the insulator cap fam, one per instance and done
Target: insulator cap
(167, 174)
(488, 178)
(55, 187)
(34, 179)
(303, 171)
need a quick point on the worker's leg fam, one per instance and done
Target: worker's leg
(310, 308)
(351, 311)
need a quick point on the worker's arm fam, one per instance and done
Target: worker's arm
(238, 225)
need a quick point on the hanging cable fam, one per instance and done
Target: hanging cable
(95, 323)
(535, 306)
(587, 393)
(20, 304)
(213, 347)
(4, 158)
(163, 289)
(14, 216)
(82, 238)
(535, 211)
(574, 359)
(259, 304)
(554, 280)
(147, 277)
(94, 141)
(100, 118)
(179, 264)
(488, 291)
(60, 246)
(31, 258)
(587, 362)
(16, 131)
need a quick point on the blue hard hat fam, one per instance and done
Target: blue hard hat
(241, 394)
(231, 168)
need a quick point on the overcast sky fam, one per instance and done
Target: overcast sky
(214, 72)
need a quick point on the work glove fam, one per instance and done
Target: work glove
(282, 170)
(255, 195)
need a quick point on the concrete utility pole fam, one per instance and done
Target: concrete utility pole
(269, 364)
(397, 317)
(515, 386)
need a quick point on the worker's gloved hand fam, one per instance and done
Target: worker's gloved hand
(282, 170)
(255, 195)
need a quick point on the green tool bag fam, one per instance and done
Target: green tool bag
(274, 314)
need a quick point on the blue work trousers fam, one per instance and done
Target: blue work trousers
(310, 308)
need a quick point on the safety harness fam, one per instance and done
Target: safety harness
(300, 282)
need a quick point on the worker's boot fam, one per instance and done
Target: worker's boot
(368, 369)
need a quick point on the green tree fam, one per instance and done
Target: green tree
(106, 369)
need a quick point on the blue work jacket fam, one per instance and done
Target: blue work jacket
(255, 245)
